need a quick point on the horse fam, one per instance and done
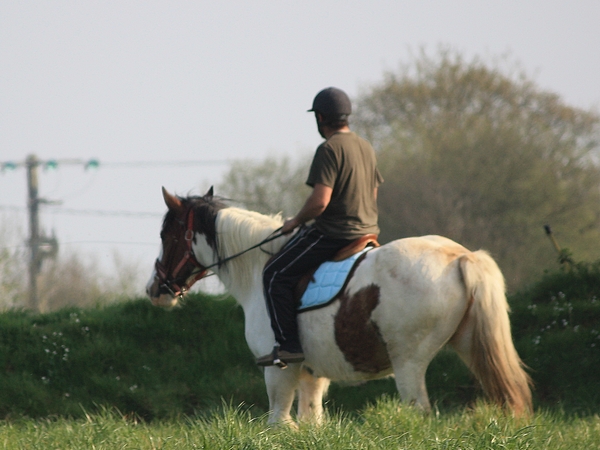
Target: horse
(404, 301)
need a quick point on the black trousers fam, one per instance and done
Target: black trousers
(304, 252)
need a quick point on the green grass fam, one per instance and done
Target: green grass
(129, 356)
(157, 364)
(129, 375)
(382, 426)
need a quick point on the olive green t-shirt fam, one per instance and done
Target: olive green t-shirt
(347, 164)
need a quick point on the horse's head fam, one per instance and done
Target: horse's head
(177, 268)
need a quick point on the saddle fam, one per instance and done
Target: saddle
(321, 285)
(356, 246)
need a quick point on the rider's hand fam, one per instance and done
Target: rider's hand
(289, 225)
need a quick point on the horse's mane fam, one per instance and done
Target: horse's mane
(238, 229)
(231, 230)
(206, 209)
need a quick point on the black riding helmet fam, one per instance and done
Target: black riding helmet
(332, 103)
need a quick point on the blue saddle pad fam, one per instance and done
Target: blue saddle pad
(327, 282)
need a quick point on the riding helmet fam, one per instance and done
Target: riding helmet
(332, 102)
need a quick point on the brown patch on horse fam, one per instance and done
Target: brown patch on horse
(357, 336)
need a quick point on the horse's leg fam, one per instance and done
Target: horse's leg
(462, 339)
(281, 389)
(410, 382)
(310, 397)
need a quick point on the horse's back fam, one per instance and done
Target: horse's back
(413, 266)
(429, 246)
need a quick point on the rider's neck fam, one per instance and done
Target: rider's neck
(328, 132)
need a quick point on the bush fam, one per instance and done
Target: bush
(154, 363)
(556, 325)
(131, 356)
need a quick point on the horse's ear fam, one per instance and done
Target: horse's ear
(210, 192)
(172, 202)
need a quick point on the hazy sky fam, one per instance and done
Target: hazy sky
(149, 81)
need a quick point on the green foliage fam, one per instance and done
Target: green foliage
(72, 279)
(470, 150)
(131, 356)
(556, 323)
(478, 153)
(12, 267)
(272, 186)
(155, 364)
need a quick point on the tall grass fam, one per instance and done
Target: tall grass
(381, 426)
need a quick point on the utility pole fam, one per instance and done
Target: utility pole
(33, 205)
(40, 246)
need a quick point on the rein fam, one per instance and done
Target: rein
(264, 241)
(188, 256)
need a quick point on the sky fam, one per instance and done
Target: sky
(167, 93)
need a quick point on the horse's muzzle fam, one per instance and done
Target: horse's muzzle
(160, 296)
(165, 301)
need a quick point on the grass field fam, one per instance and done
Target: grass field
(382, 426)
(128, 375)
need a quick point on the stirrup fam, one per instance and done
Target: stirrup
(276, 361)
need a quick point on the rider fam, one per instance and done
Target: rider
(343, 204)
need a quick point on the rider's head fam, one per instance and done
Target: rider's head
(332, 107)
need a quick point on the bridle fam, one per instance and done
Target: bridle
(200, 271)
(175, 289)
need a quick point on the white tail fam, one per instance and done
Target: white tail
(493, 358)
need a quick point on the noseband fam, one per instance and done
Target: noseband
(177, 290)
(169, 284)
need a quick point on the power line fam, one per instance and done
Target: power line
(33, 162)
(150, 164)
(94, 163)
(91, 212)
(41, 245)
(154, 244)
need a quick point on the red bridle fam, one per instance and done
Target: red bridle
(188, 257)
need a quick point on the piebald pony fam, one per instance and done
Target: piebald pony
(403, 303)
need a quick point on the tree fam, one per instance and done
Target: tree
(13, 269)
(271, 186)
(72, 279)
(483, 156)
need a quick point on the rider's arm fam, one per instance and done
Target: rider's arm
(314, 206)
